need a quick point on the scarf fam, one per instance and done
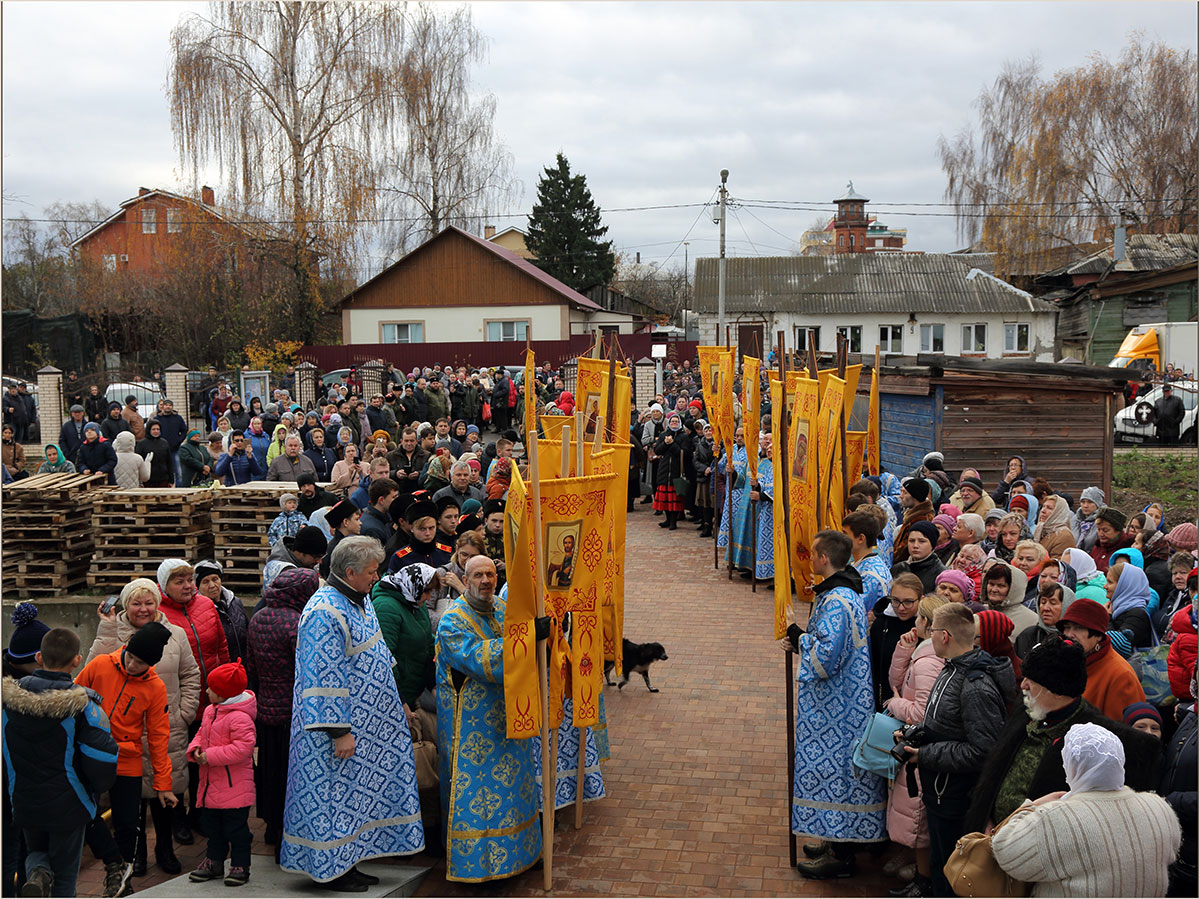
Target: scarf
(61, 465)
(1132, 592)
(411, 581)
(1093, 759)
(674, 417)
(1084, 564)
(1059, 518)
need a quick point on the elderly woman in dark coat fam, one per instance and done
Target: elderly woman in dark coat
(271, 667)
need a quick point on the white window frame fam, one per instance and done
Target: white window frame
(174, 220)
(110, 262)
(516, 337)
(893, 342)
(932, 332)
(149, 221)
(970, 335)
(853, 334)
(408, 326)
(802, 338)
(1012, 337)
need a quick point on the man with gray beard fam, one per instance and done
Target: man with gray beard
(1026, 762)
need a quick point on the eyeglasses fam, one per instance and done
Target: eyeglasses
(902, 603)
(938, 630)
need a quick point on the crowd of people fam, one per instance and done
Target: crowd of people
(1034, 653)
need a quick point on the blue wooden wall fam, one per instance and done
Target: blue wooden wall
(911, 426)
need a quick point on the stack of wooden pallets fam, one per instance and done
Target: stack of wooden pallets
(136, 529)
(241, 517)
(47, 533)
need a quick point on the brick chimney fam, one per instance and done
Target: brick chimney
(142, 191)
(206, 196)
(489, 231)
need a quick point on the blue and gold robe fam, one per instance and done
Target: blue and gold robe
(735, 486)
(567, 761)
(747, 517)
(339, 812)
(488, 790)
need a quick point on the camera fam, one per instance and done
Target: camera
(913, 735)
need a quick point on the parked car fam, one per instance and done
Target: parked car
(1135, 423)
(148, 394)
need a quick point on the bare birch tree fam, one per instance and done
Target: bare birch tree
(292, 100)
(1052, 160)
(447, 168)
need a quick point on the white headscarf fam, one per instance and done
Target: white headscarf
(1084, 565)
(411, 580)
(1093, 759)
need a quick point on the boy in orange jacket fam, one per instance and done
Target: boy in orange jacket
(136, 703)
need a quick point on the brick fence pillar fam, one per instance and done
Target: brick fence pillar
(644, 382)
(50, 403)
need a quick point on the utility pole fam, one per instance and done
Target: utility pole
(686, 290)
(721, 261)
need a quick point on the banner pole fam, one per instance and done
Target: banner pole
(753, 545)
(821, 512)
(543, 675)
(789, 676)
(843, 358)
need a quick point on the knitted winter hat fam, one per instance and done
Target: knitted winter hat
(473, 506)
(995, 631)
(1183, 536)
(929, 457)
(310, 540)
(946, 521)
(918, 488)
(1094, 494)
(27, 638)
(228, 679)
(958, 579)
(1139, 710)
(305, 477)
(993, 515)
(1020, 500)
(165, 568)
(927, 529)
(1086, 613)
(283, 500)
(1058, 665)
(1115, 517)
(206, 568)
(975, 483)
(148, 642)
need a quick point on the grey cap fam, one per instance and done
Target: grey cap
(76, 408)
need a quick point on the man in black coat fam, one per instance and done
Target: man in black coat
(95, 404)
(499, 400)
(1026, 760)
(1168, 414)
(70, 438)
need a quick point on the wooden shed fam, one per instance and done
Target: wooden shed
(979, 413)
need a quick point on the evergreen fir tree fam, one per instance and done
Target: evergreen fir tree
(565, 231)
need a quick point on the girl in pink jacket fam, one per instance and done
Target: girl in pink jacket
(914, 669)
(224, 750)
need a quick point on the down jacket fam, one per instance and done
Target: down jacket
(180, 675)
(1181, 657)
(234, 622)
(913, 674)
(227, 737)
(205, 635)
(132, 470)
(271, 662)
(50, 723)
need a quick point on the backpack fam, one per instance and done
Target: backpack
(512, 394)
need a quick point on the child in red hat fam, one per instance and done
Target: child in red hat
(224, 750)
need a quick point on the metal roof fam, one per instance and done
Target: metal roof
(851, 195)
(1143, 253)
(860, 283)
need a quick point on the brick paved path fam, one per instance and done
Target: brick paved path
(697, 782)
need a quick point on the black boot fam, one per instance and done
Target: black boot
(139, 849)
(672, 517)
(183, 832)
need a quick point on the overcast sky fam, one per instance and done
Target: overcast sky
(648, 100)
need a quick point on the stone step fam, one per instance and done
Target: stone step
(267, 879)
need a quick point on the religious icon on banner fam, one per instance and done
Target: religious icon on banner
(562, 537)
(590, 403)
(800, 452)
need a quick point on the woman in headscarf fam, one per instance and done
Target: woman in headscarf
(946, 547)
(1053, 530)
(1099, 838)
(1027, 505)
(670, 446)
(194, 463)
(256, 407)
(956, 586)
(1014, 471)
(238, 415)
(1013, 529)
(1052, 599)
(162, 472)
(969, 561)
(349, 471)
(1128, 594)
(55, 463)
(312, 421)
(703, 462)
(1083, 565)
(1154, 518)
(322, 457)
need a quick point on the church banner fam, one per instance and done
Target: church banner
(577, 529)
(710, 381)
(530, 387)
(800, 464)
(725, 402)
(856, 448)
(873, 426)
(829, 433)
(591, 397)
(751, 406)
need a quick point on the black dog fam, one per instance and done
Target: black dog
(636, 659)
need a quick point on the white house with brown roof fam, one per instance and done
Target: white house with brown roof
(457, 287)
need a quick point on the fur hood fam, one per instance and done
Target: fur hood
(59, 704)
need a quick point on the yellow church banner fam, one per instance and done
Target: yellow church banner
(856, 450)
(552, 425)
(783, 589)
(530, 386)
(725, 402)
(577, 530)
(873, 426)
(829, 432)
(591, 397)
(751, 407)
(710, 381)
(800, 468)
